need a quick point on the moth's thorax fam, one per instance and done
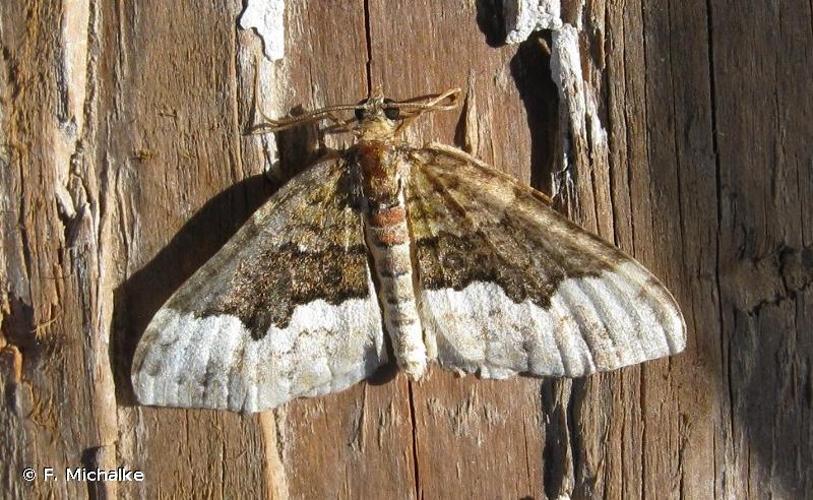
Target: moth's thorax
(377, 128)
(381, 171)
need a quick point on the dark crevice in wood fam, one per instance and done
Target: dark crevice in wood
(491, 21)
(368, 37)
(18, 329)
(88, 461)
(582, 486)
(222, 469)
(642, 402)
(418, 489)
(726, 363)
(676, 139)
(556, 460)
(96, 458)
(594, 183)
(528, 475)
(530, 69)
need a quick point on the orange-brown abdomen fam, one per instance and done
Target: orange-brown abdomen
(389, 244)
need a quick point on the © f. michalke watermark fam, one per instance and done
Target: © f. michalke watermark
(82, 474)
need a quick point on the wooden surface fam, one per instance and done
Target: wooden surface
(123, 168)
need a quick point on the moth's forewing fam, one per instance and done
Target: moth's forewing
(285, 309)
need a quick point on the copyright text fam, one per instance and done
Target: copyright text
(83, 474)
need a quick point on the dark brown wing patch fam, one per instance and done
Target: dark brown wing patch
(267, 287)
(479, 231)
(304, 245)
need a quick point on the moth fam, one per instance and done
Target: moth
(388, 251)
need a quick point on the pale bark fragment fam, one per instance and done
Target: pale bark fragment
(583, 136)
(471, 132)
(275, 475)
(87, 240)
(523, 17)
(268, 18)
(583, 139)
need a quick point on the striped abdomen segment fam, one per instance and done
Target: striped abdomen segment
(388, 240)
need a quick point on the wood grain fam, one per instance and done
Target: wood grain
(124, 166)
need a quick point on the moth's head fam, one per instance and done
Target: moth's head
(376, 117)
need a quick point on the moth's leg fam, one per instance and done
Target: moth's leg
(269, 124)
(338, 124)
(254, 127)
(336, 120)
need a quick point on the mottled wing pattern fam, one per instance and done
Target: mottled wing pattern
(511, 286)
(285, 309)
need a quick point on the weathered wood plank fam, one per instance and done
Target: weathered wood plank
(763, 108)
(170, 148)
(58, 403)
(123, 167)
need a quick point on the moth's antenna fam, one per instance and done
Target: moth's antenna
(271, 125)
(435, 103)
(412, 109)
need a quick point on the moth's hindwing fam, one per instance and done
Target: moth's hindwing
(510, 286)
(285, 309)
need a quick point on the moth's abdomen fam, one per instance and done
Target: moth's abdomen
(389, 243)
